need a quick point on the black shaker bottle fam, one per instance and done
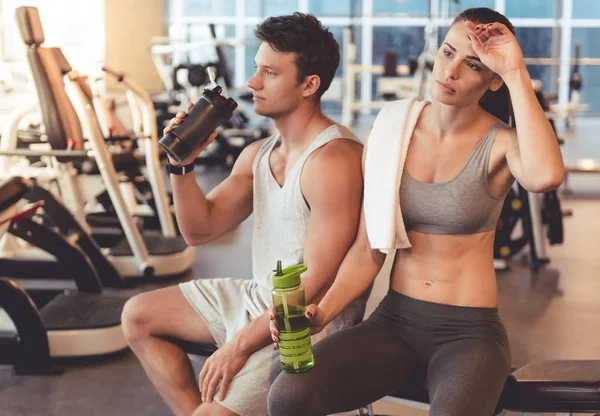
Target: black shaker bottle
(209, 112)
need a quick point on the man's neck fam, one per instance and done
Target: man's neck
(300, 127)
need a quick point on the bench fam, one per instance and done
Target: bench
(557, 387)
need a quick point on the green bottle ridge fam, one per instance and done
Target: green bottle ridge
(295, 349)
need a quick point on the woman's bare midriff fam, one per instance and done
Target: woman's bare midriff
(448, 269)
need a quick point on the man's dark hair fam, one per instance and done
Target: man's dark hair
(317, 51)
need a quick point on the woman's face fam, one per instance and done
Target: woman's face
(459, 77)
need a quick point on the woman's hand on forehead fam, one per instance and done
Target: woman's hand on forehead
(497, 47)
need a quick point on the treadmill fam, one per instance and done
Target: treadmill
(145, 192)
(132, 251)
(68, 252)
(73, 324)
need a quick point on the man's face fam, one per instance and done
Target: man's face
(275, 82)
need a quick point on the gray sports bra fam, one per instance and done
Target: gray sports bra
(461, 205)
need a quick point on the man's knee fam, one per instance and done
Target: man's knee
(134, 318)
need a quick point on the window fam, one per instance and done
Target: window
(531, 8)
(586, 9)
(252, 44)
(208, 7)
(342, 8)
(536, 42)
(466, 4)
(403, 32)
(404, 41)
(409, 8)
(81, 36)
(265, 8)
(539, 43)
(335, 106)
(338, 34)
(196, 32)
(590, 91)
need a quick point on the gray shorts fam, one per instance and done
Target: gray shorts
(227, 305)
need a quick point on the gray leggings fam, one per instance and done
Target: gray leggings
(463, 353)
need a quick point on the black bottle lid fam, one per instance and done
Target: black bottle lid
(215, 98)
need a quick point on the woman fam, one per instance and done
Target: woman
(441, 310)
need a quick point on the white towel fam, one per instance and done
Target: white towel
(386, 153)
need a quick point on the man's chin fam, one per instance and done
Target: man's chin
(261, 111)
(257, 109)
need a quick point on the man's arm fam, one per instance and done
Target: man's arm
(202, 218)
(332, 185)
(357, 271)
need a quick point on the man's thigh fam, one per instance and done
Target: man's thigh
(167, 313)
(248, 392)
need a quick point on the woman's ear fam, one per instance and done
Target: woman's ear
(496, 83)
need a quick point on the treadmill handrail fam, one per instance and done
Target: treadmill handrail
(85, 275)
(141, 101)
(86, 114)
(62, 218)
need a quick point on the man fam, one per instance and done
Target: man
(304, 186)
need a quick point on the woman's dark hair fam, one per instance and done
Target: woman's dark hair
(317, 51)
(496, 103)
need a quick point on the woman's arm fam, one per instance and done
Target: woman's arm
(358, 270)
(534, 158)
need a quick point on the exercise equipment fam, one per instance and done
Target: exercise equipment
(58, 246)
(145, 194)
(391, 86)
(400, 84)
(560, 388)
(568, 111)
(132, 251)
(73, 324)
(583, 165)
(539, 217)
(534, 214)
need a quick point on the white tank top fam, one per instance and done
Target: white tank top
(281, 213)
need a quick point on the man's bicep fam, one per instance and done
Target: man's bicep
(231, 203)
(231, 200)
(335, 202)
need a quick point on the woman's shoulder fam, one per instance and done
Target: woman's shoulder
(494, 123)
(505, 136)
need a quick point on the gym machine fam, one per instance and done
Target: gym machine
(78, 323)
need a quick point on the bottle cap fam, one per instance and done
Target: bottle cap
(288, 277)
(215, 98)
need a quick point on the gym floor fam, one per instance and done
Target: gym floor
(553, 314)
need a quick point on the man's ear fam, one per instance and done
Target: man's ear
(312, 83)
(496, 83)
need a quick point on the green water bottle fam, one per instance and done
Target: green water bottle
(289, 303)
